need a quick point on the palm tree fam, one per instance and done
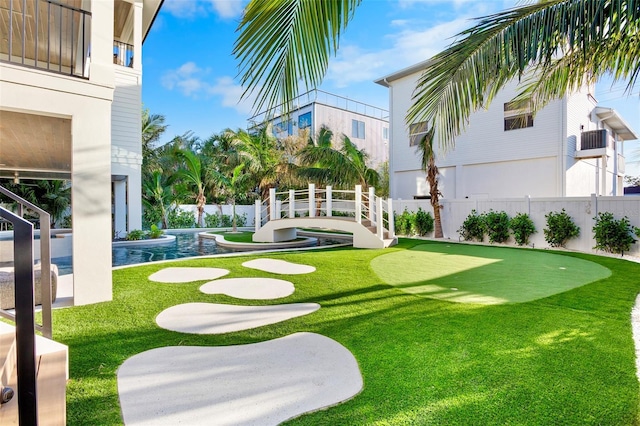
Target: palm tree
(158, 196)
(428, 163)
(152, 128)
(192, 175)
(235, 185)
(558, 45)
(344, 167)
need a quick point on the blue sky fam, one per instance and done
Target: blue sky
(190, 72)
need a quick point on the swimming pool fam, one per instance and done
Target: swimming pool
(187, 244)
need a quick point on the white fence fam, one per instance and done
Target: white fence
(227, 209)
(582, 210)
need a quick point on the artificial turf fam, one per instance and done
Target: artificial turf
(564, 359)
(472, 274)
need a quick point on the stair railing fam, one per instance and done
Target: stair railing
(24, 317)
(45, 259)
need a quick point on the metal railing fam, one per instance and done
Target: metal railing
(122, 54)
(47, 35)
(45, 260)
(25, 339)
(324, 98)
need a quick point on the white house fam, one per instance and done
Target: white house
(366, 126)
(572, 147)
(70, 106)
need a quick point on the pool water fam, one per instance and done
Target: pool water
(187, 244)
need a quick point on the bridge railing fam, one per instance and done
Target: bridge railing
(328, 202)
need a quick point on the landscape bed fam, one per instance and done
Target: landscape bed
(568, 358)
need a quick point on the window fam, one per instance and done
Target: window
(357, 129)
(304, 121)
(517, 115)
(417, 131)
(385, 133)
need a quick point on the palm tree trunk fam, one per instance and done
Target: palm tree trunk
(432, 178)
(201, 200)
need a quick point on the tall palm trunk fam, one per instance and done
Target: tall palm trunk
(432, 178)
(201, 200)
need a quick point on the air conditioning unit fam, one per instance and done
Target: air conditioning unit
(593, 139)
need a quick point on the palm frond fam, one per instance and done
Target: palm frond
(281, 41)
(531, 38)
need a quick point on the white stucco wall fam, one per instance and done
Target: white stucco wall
(488, 161)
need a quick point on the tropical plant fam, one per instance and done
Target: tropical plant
(192, 175)
(404, 223)
(423, 222)
(234, 185)
(157, 197)
(522, 227)
(152, 129)
(612, 235)
(180, 219)
(473, 227)
(560, 228)
(497, 226)
(135, 235)
(428, 164)
(155, 232)
(52, 196)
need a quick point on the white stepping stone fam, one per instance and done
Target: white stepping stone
(216, 318)
(250, 288)
(256, 384)
(185, 275)
(276, 266)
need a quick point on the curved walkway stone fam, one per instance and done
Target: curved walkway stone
(277, 266)
(250, 288)
(185, 275)
(215, 318)
(256, 384)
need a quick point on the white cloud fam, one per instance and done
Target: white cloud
(194, 82)
(225, 9)
(408, 46)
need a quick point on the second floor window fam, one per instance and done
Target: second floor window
(417, 131)
(357, 129)
(517, 115)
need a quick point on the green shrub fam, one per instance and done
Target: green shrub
(135, 235)
(423, 222)
(181, 219)
(637, 231)
(212, 220)
(227, 222)
(497, 226)
(613, 236)
(560, 228)
(155, 232)
(404, 223)
(522, 227)
(473, 227)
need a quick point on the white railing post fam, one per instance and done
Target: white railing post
(278, 209)
(379, 224)
(272, 204)
(392, 222)
(358, 201)
(329, 201)
(258, 213)
(312, 200)
(292, 203)
(372, 197)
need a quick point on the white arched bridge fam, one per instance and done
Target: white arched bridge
(367, 217)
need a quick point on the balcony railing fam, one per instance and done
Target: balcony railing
(46, 35)
(593, 139)
(122, 54)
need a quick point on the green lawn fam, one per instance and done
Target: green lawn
(564, 359)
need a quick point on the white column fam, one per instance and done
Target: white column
(278, 209)
(272, 204)
(392, 224)
(372, 197)
(258, 215)
(358, 203)
(379, 223)
(604, 175)
(292, 203)
(312, 200)
(329, 201)
(120, 208)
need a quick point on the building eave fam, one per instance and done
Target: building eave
(611, 118)
(150, 11)
(419, 67)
